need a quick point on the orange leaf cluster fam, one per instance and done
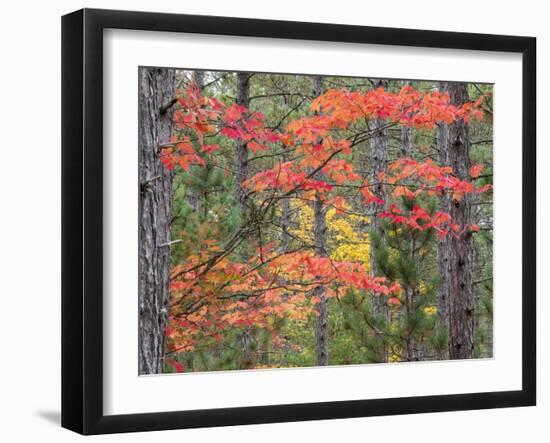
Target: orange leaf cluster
(242, 295)
(407, 174)
(409, 107)
(411, 179)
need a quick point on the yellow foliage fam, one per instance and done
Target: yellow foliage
(346, 237)
(430, 310)
(394, 358)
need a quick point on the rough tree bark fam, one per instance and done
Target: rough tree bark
(442, 247)
(198, 78)
(413, 351)
(242, 99)
(379, 160)
(406, 136)
(285, 224)
(194, 197)
(320, 240)
(321, 308)
(460, 284)
(156, 90)
(247, 358)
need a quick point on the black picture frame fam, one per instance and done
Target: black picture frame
(82, 218)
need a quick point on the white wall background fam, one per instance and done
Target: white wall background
(30, 219)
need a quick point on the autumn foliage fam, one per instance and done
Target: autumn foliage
(214, 290)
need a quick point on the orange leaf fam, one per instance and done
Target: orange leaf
(475, 170)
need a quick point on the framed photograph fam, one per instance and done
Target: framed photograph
(270, 221)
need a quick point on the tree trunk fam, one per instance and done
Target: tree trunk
(285, 224)
(321, 308)
(379, 160)
(319, 235)
(156, 89)
(406, 141)
(194, 196)
(442, 249)
(247, 358)
(198, 78)
(413, 351)
(460, 288)
(406, 136)
(243, 90)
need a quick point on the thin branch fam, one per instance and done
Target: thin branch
(170, 243)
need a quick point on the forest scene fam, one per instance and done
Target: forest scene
(292, 220)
